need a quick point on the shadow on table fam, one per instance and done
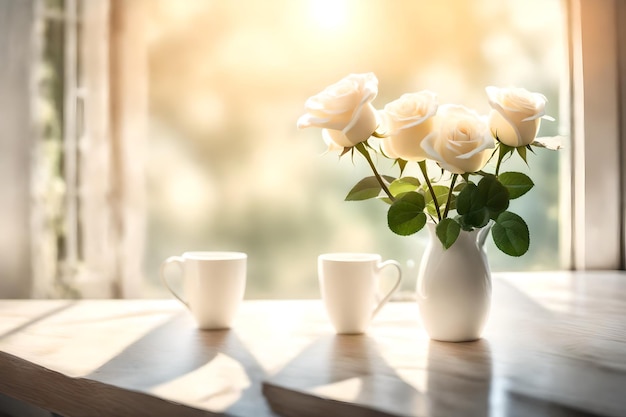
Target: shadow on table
(340, 375)
(176, 349)
(550, 350)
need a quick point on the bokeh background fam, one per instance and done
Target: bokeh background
(228, 170)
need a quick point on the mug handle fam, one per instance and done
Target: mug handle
(178, 260)
(386, 298)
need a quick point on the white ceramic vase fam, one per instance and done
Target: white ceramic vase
(454, 287)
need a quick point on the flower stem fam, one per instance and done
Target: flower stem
(445, 212)
(363, 150)
(422, 165)
(498, 165)
(502, 151)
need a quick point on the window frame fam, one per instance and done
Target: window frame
(104, 131)
(597, 63)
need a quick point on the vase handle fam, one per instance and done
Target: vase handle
(386, 298)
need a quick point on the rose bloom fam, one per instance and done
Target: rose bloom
(516, 115)
(461, 142)
(409, 120)
(344, 110)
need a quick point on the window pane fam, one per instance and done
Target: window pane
(227, 169)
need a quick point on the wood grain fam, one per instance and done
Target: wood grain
(555, 345)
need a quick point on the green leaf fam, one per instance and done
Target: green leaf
(404, 185)
(461, 221)
(460, 186)
(517, 183)
(441, 194)
(406, 215)
(452, 203)
(477, 218)
(464, 201)
(510, 234)
(494, 194)
(365, 189)
(471, 205)
(448, 231)
(388, 178)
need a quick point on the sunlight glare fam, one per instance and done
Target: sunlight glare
(88, 327)
(329, 14)
(188, 194)
(343, 390)
(204, 386)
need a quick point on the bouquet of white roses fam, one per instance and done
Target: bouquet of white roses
(415, 128)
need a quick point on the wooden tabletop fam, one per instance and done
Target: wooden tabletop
(555, 344)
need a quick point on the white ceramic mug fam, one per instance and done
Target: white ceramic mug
(349, 283)
(213, 285)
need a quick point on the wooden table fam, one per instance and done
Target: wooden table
(555, 345)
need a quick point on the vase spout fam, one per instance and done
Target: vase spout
(482, 235)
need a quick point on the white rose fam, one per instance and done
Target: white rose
(344, 110)
(385, 145)
(409, 120)
(461, 142)
(331, 145)
(516, 115)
